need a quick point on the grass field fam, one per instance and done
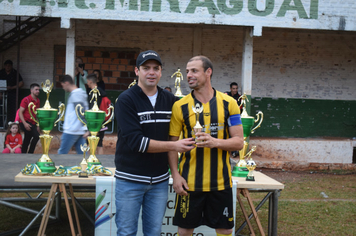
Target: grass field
(311, 204)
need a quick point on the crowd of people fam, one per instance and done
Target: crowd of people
(74, 132)
(147, 150)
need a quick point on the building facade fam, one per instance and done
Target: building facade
(295, 59)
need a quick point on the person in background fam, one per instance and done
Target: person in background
(10, 75)
(74, 132)
(203, 183)
(80, 74)
(168, 89)
(143, 113)
(13, 139)
(28, 126)
(100, 83)
(91, 82)
(234, 92)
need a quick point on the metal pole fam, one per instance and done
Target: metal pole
(18, 25)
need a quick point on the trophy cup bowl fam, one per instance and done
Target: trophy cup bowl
(94, 122)
(46, 120)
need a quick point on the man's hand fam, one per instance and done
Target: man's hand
(179, 185)
(184, 145)
(205, 140)
(27, 126)
(86, 134)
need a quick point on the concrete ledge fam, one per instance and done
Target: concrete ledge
(309, 150)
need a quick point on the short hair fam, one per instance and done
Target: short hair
(8, 62)
(92, 77)
(233, 83)
(34, 85)
(66, 78)
(206, 63)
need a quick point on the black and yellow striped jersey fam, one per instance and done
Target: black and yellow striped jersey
(205, 169)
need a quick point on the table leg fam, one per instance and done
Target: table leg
(238, 191)
(47, 211)
(70, 219)
(75, 209)
(247, 195)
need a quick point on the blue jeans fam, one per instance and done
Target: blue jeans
(67, 142)
(130, 196)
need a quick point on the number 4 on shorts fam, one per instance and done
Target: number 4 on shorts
(226, 212)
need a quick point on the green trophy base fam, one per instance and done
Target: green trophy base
(239, 171)
(250, 178)
(46, 167)
(93, 163)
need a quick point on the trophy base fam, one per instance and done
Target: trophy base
(83, 175)
(250, 178)
(46, 167)
(93, 163)
(239, 171)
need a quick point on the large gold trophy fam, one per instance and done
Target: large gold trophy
(94, 118)
(179, 77)
(46, 120)
(240, 169)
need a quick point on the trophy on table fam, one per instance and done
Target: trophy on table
(240, 169)
(197, 110)
(251, 165)
(46, 120)
(179, 77)
(94, 121)
(84, 163)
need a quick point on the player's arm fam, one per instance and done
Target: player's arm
(179, 183)
(235, 142)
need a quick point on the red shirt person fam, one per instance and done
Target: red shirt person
(28, 125)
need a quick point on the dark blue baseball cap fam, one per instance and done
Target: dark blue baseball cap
(147, 55)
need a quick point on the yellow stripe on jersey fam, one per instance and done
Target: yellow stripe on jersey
(205, 169)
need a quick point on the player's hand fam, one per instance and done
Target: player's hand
(205, 140)
(180, 185)
(184, 145)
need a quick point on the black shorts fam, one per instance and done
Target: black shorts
(101, 136)
(214, 209)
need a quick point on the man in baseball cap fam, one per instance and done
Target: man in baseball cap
(143, 114)
(147, 55)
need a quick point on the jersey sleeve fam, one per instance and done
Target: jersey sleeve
(175, 126)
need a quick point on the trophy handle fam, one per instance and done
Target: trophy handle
(258, 118)
(61, 108)
(111, 114)
(81, 113)
(33, 109)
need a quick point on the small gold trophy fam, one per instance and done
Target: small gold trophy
(240, 169)
(179, 77)
(46, 120)
(84, 164)
(197, 110)
(251, 165)
(95, 118)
